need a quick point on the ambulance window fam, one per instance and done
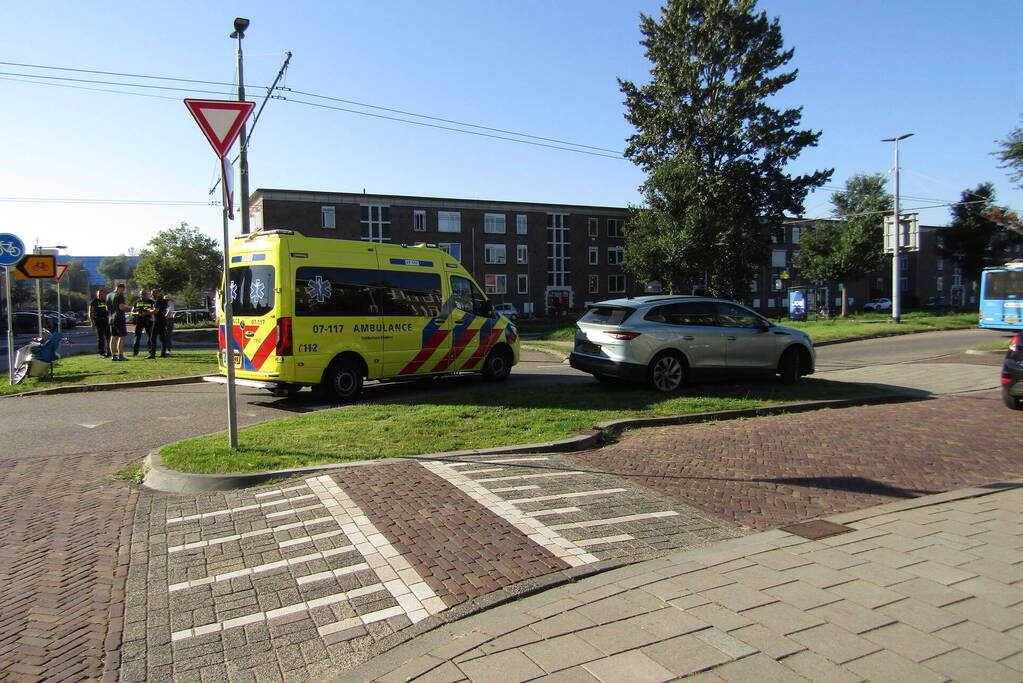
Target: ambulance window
(468, 297)
(415, 294)
(337, 291)
(252, 290)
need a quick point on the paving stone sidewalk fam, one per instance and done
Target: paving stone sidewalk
(923, 590)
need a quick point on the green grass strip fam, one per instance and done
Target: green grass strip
(470, 419)
(91, 369)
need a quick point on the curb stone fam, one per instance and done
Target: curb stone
(109, 386)
(160, 478)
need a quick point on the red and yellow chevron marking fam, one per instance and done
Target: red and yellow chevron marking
(457, 346)
(253, 355)
(435, 340)
(486, 343)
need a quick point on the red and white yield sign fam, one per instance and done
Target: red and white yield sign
(220, 120)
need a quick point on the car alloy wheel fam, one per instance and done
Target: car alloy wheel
(666, 372)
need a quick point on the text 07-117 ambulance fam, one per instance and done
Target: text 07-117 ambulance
(331, 313)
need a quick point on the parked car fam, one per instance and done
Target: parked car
(663, 341)
(878, 305)
(1012, 374)
(936, 302)
(28, 321)
(508, 311)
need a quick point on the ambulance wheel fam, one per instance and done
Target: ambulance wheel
(498, 365)
(342, 382)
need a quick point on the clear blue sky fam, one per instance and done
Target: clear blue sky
(942, 69)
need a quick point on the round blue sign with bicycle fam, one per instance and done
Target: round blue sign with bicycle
(11, 249)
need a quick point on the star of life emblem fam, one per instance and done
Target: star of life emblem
(257, 291)
(234, 290)
(318, 289)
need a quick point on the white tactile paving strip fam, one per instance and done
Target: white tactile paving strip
(394, 575)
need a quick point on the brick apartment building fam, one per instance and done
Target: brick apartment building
(550, 257)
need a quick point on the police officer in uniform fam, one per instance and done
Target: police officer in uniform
(142, 317)
(100, 318)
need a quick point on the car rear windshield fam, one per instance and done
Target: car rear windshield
(607, 315)
(252, 290)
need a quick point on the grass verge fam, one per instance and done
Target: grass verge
(91, 369)
(857, 326)
(477, 419)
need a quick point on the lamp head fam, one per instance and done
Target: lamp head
(240, 25)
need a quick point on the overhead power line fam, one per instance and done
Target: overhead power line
(127, 202)
(563, 145)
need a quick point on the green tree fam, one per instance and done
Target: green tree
(851, 246)
(713, 149)
(180, 260)
(977, 237)
(1011, 155)
(115, 268)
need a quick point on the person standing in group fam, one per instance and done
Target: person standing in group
(158, 330)
(116, 309)
(100, 322)
(168, 325)
(142, 318)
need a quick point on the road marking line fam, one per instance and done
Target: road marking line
(345, 624)
(415, 597)
(258, 569)
(274, 614)
(95, 424)
(321, 576)
(528, 476)
(613, 520)
(280, 492)
(309, 539)
(553, 511)
(530, 459)
(218, 513)
(282, 513)
(247, 534)
(605, 539)
(531, 487)
(580, 494)
(534, 529)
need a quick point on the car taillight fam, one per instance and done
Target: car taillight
(284, 345)
(1016, 346)
(623, 336)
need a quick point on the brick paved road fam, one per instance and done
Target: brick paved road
(771, 471)
(303, 579)
(63, 559)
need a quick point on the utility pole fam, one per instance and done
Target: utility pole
(240, 25)
(897, 242)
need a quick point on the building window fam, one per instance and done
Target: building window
(327, 215)
(941, 264)
(779, 284)
(419, 220)
(777, 235)
(594, 254)
(615, 256)
(616, 227)
(778, 258)
(754, 285)
(495, 253)
(903, 262)
(521, 254)
(593, 227)
(615, 284)
(879, 283)
(520, 224)
(940, 282)
(795, 234)
(449, 221)
(594, 284)
(903, 284)
(496, 284)
(453, 248)
(557, 250)
(523, 284)
(493, 223)
(376, 223)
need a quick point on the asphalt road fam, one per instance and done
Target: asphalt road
(138, 420)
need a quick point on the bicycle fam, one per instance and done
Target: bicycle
(10, 248)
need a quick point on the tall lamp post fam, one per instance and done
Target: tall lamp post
(39, 291)
(897, 242)
(240, 25)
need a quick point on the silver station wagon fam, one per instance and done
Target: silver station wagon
(663, 341)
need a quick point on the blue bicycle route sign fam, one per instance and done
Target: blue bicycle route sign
(11, 249)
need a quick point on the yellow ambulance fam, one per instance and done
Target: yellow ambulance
(332, 313)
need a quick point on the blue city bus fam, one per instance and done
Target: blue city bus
(1001, 297)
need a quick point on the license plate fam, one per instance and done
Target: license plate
(586, 347)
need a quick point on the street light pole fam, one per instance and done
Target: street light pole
(897, 241)
(240, 25)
